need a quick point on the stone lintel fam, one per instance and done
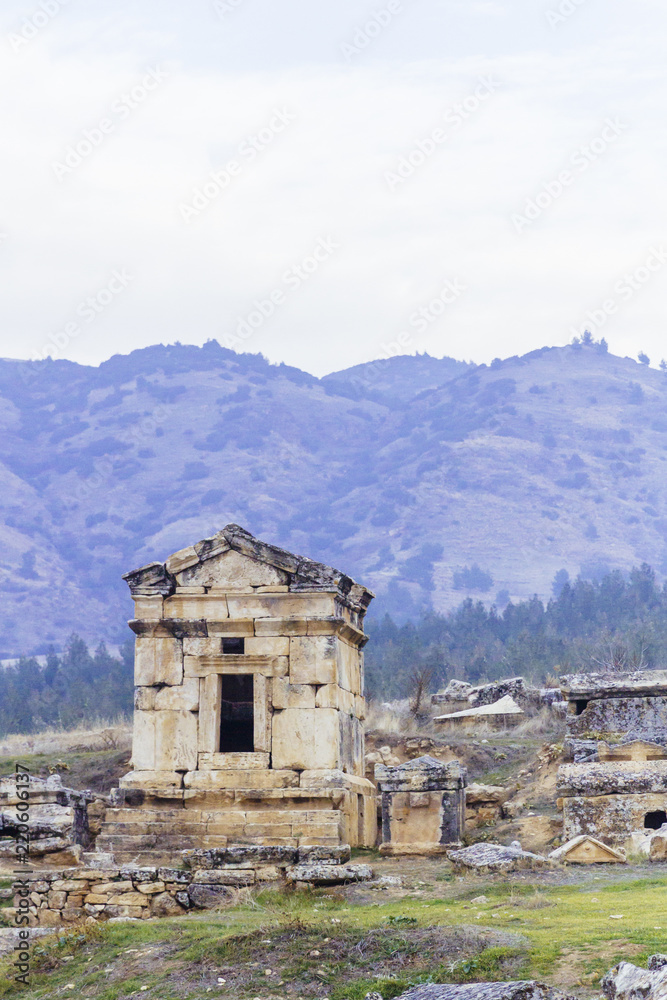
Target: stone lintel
(230, 663)
(234, 761)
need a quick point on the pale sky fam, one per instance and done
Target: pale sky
(498, 165)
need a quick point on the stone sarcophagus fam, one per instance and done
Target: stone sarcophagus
(249, 706)
(423, 806)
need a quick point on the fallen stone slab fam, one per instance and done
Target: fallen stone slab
(323, 874)
(628, 982)
(525, 990)
(495, 858)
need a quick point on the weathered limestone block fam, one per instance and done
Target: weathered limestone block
(349, 678)
(176, 743)
(148, 608)
(306, 738)
(196, 607)
(619, 715)
(206, 897)
(628, 982)
(151, 888)
(234, 571)
(286, 695)
(214, 780)
(128, 899)
(267, 645)
(313, 660)
(184, 698)
(182, 560)
(144, 698)
(619, 777)
(158, 661)
(526, 990)
(329, 874)
(164, 905)
(152, 779)
(224, 876)
(632, 684)
(495, 858)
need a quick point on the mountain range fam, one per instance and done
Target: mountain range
(429, 480)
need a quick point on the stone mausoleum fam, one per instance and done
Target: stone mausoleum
(617, 734)
(249, 705)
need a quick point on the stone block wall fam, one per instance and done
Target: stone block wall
(213, 878)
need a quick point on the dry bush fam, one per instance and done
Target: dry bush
(388, 716)
(547, 724)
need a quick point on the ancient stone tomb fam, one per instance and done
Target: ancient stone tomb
(249, 707)
(617, 729)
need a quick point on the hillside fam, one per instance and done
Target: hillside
(554, 460)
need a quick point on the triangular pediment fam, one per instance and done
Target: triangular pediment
(233, 559)
(586, 850)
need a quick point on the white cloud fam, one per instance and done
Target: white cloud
(325, 175)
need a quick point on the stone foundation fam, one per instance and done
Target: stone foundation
(213, 878)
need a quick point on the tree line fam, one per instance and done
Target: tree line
(74, 688)
(618, 621)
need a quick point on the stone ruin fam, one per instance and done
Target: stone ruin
(423, 806)
(58, 825)
(459, 697)
(616, 788)
(249, 706)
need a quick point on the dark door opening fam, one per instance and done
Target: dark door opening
(580, 707)
(654, 820)
(237, 722)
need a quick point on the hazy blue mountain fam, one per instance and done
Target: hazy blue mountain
(426, 479)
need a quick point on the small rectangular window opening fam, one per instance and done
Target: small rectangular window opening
(233, 645)
(580, 706)
(237, 714)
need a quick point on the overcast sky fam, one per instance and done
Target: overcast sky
(475, 177)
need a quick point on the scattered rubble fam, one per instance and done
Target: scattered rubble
(58, 824)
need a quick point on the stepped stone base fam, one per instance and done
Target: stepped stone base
(153, 826)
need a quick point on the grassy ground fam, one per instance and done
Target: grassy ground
(98, 770)
(341, 944)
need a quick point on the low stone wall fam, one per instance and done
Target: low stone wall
(213, 878)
